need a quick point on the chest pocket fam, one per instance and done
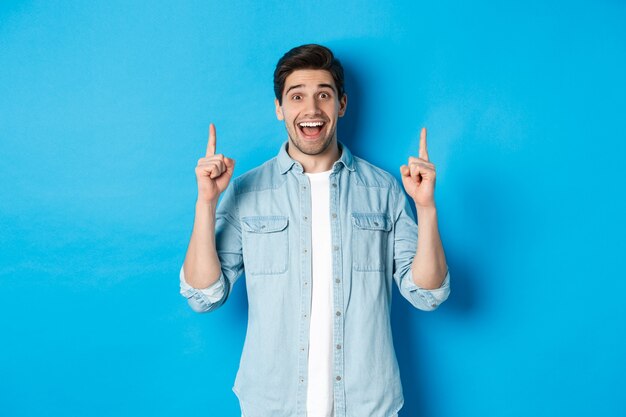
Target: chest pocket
(370, 232)
(265, 241)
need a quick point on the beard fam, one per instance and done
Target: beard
(311, 148)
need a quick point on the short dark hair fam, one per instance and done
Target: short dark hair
(310, 56)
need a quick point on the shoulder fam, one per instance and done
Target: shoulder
(262, 177)
(367, 174)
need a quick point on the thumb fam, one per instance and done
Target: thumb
(230, 163)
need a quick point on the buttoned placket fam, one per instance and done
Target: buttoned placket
(338, 317)
(304, 226)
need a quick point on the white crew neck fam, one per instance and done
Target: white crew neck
(316, 175)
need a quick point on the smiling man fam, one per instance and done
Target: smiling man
(321, 236)
(310, 108)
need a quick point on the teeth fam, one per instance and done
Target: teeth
(311, 124)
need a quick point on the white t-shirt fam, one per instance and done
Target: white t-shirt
(319, 388)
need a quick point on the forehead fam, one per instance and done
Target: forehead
(309, 78)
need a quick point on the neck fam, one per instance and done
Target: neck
(316, 163)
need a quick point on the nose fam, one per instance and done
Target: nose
(312, 107)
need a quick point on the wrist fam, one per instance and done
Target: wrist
(206, 205)
(422, 211)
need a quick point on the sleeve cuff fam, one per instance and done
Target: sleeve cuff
(430, 299)
(204, 296)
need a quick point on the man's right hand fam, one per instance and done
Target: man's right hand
(213, 172)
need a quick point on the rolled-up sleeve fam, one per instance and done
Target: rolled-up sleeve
(404, 248)
(423, 298)
(229, 253)
(202, 299)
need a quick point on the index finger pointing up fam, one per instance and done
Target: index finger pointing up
(423, 152)
(210, 148)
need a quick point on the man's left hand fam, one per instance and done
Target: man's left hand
(418, 177)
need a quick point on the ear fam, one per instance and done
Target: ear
(279, 110)
(343, 104)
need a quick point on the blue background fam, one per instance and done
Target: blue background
(104, 109)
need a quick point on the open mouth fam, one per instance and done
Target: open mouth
(311, 129)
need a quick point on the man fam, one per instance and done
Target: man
(321, 235)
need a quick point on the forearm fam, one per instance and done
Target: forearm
(202, 266)
(429, 266)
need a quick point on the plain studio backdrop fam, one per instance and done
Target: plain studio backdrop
(104, 111)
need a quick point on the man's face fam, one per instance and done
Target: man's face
(311, 109)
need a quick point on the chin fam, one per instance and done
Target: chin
(312, 148)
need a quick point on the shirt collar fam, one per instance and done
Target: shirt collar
(285, 163)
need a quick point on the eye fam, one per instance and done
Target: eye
(296, 97)
(324, 96)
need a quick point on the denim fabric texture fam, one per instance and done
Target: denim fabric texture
(263, 228)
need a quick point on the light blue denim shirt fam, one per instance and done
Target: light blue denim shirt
(263, 227)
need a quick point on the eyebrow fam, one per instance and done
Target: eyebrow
(318, 86)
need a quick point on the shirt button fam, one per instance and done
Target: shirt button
(305, 218)
(304, 187)
(334, 215)
(338, 378)
(334, 185)
(305, 251)
(336, 247)
(338, 313)
(433, 305)
(375, 223)
(338, 346)
(337, 280)
(306, 283)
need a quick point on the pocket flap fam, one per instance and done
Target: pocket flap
(264, 224)
(371, 221)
